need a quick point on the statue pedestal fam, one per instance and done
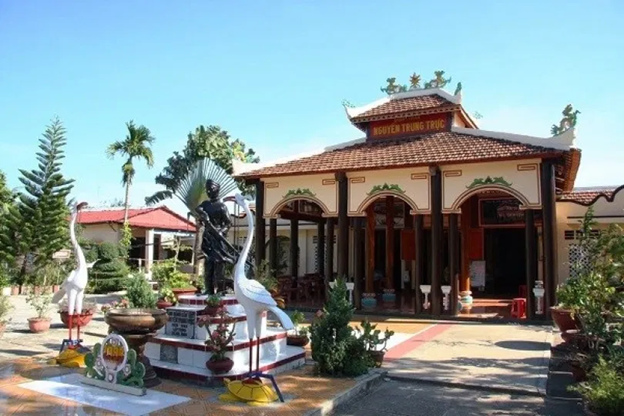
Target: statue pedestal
(178, 350)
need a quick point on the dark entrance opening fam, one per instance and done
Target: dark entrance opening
(504, 261)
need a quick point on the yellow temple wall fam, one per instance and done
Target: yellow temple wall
(410, 185)
(518, 178)
(321, 189)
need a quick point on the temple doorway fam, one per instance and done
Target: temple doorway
(505, 262)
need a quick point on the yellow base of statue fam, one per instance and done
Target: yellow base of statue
(251, 391)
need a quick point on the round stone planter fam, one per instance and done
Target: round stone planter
(220, 366)
(38, 325)
(83, 319)
(138, 326)
(297, 340)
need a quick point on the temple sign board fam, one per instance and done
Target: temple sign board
(408, 126)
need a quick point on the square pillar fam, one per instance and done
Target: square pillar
(329, 259)
(294, 247)
(454, 268)
(320, 247)
(358, 250)
(273, 245)
(530, 241)
(149, 250)
(549, 232)
(421, 260)
(260, 224)
(436, 241)
(343, 226)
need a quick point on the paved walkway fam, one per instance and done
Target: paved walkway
(506, 357)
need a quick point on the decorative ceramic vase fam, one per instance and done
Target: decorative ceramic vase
(563, 318)
(38, 325)
(84, 318)
(369, 301)
(377, 357)
(138, 326)
(297, 340)
(220, 366)
(388, 296)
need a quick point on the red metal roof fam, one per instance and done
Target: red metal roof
(161, 218)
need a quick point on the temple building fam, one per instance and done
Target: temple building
(428, 208)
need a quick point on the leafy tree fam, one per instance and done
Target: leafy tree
(6, 195)
(36, 226)
(136, 145)
(206, 142)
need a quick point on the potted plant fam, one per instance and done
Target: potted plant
(5, 308)
(41, 304)
(167, 274)
(88, 309)
(218, 341)
(166, 298)
(375, 345)
(299, 337)
(213, 305)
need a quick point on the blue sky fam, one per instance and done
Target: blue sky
(274, 73)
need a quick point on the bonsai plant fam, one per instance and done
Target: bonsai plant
(5, 308)
(375, 345)
(166, 298)
(110, 273)
(88, 309)
(213, 305)
(41, 304)
(299, 337)
(218, 341)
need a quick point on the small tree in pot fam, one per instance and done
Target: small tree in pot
(299, 337)
(213, 305)
(166, 298)
(375, 345)
(88, 309)
(41, 304)
(218, 341)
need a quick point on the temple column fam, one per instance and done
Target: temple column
(389, 244)
(273, 245)
(436, 241)
(149, 250)
(420, 260)
(530, 241)
(343, 226)
(358, 240)
(549, 232)
(370, 250)
(260, 224)
(329, 265)
(320, 250)
(454, 262)
(294, 245)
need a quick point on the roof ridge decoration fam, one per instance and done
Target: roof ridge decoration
(396, 91)
(567, 122)
(563, 141)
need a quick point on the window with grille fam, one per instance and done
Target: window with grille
(579, 261)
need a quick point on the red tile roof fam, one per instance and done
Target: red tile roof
(403, 105)
(435, 148)
(588, 196)
(161, 218)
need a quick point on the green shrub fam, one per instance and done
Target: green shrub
(140, 293)
(5, 308)
(335, 348)
(604, 392)
(110, 273)
(167, 274)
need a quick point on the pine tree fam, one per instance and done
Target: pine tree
(36, 227)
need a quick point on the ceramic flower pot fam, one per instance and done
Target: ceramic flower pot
(84, 318)
(183, 291)
(38, 325)
(220, 366)
(377, 357)
(163, 304)
(212, 310)
(563, 318)
(15, 290)
(369, 301)
(297, 340)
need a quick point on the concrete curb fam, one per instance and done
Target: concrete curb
(363, 383)
(470, 386)
(542, 380)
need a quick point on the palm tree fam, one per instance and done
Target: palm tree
(191, 190)
(136, 145)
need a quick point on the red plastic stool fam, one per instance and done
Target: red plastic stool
(522, 289)
(518, 308)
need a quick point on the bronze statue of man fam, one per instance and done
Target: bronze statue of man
(215, 217)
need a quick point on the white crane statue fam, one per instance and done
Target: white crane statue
(74, 284)
(254, 298)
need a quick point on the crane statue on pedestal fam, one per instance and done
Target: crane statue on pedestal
(256, 300)
(75, 284)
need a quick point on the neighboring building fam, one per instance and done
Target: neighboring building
(427, 199)
(153, 231)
